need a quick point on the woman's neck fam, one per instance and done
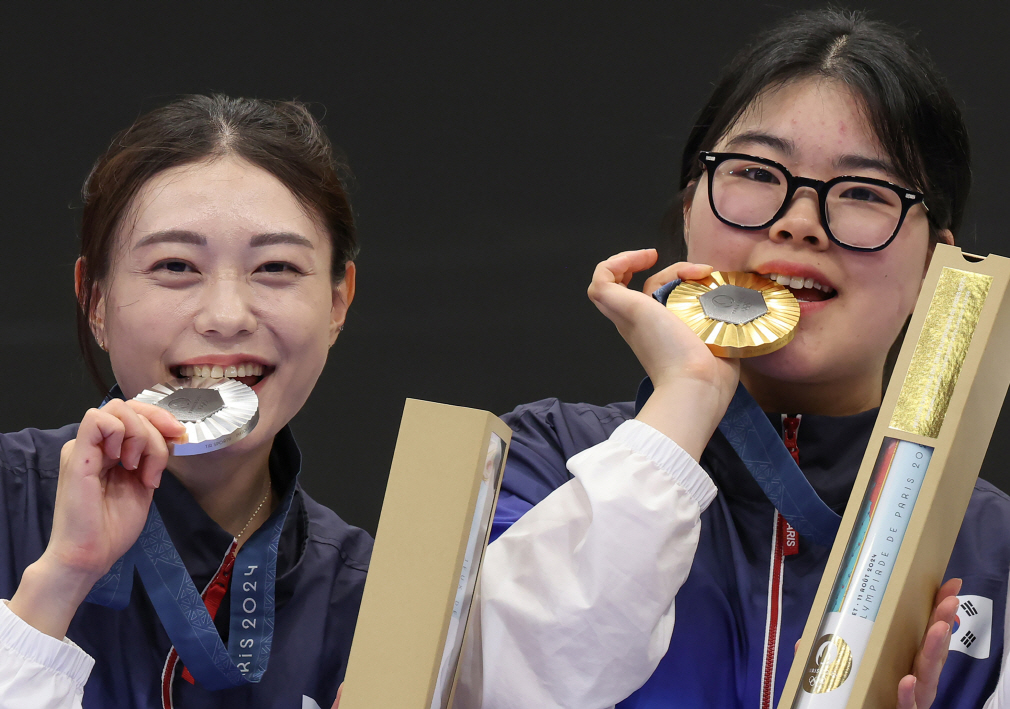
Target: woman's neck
(229, 487)
(835, 398)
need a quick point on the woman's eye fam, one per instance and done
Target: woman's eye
(278, 267)
(173, 266)
(759, 174)
(863, 194)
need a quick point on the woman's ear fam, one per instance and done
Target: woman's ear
(96, 318)
(343, 294)
(688, 201)
(944, 237)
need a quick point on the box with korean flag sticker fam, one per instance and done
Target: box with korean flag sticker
(911, 493)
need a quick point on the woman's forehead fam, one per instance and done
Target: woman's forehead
(809, 121)
(222, 197)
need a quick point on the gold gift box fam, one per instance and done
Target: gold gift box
(433, 529)
(946, 392)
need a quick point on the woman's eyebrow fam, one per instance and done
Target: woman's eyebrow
(283, 237)
(752, 137)
(173, 236)
(181, 236)
(862, 162)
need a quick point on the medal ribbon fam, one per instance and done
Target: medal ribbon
(759, 446)
(182, 611)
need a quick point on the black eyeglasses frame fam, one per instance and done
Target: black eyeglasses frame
(909, 198)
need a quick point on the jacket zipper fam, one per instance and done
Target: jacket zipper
(785, 543)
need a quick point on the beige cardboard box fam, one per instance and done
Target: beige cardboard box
(931, 435)
(435, 522)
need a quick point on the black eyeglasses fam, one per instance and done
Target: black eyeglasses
(858, 213)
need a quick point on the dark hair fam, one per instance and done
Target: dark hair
(907, 103)
(282, 137)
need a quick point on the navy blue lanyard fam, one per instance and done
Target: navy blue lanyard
(182, 611)
(759, 446)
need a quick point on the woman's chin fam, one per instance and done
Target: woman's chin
(792, 364)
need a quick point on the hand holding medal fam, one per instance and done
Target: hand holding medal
(108, 474)
(693, 388)
(119, 453)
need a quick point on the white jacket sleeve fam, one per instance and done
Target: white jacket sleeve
(576, 598)
(38, 671)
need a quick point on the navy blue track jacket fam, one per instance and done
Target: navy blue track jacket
(320, 576)
(717, 654)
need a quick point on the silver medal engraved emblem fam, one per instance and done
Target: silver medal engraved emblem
(733, 304)
(215, 412)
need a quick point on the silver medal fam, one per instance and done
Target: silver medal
(215, 412)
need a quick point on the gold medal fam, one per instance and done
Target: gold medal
(737, 314)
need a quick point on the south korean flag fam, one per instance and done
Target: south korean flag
(972, 627)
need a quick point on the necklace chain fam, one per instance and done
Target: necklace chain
(255, 512)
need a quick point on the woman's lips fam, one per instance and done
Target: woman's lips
(809, 307)
(811, 295)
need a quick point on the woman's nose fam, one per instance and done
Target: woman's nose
(226, 310)
(801, 222)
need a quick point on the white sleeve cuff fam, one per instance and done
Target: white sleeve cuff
(643, 439)
(64, 657)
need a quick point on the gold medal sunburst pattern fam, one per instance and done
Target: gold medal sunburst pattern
(765, 333)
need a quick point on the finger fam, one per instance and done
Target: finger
(948, 590)
(163, 420)
(66, 453)
(929, 662)
(684, 270)
(100, 433)
(155, 457)
(906, 692)
(340, 691)
(609, 291)
(945, 610)
(135, 436)
(621, 267)
(945, 604)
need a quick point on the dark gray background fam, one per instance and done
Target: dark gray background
(500, 152)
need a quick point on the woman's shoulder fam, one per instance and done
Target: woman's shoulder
(983, 542)
(328, 530)
(545, 434)
(35, 450)
(572, 427)
(988, 500)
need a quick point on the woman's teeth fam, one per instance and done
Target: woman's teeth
(216, 371)
(796, 282)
